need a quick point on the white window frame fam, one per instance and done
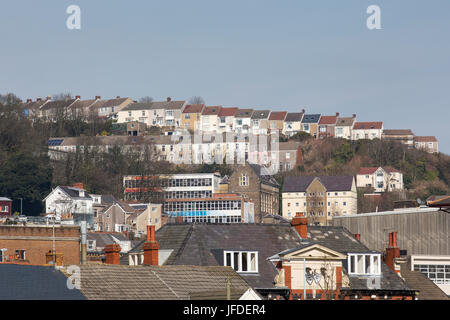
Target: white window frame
(239, 268)
(372, 265)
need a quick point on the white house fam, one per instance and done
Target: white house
(367, 130)
(380, 178)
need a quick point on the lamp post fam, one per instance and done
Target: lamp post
(20, 206)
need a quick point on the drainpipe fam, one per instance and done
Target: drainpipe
(83, 242)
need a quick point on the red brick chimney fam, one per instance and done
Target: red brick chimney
(337, 114)
(78, 97)
(118, 97)
(38, 99)
(112, 253)
(29, 100)
(354, 115)
(392, 252)
(151, 248)
(97, 97)
(303, 110)
(300, 223)
(357, 236)
(169, 99)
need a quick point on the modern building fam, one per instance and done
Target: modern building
(381, 179)
(321, 198)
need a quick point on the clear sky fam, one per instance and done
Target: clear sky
(283, 55)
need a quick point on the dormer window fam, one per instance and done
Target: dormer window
(241, 261)
(364, 264)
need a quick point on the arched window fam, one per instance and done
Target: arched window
(243, 180)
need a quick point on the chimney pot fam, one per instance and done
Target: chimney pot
(38, 99)
(303, 110)
(78, 97)
(151, 248)
(337, 114)
(357, 236)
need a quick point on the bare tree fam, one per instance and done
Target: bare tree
(196, 100)
(146, 99)
(62, 96)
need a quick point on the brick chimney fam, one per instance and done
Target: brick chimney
(78, 97)
(112, 253)
(29, 100)
(337, 114)
(118, 97)
(38, 99)
(303, 110)
(354, 115)
(357, 236)
(169, 99)
(392, 252)
(179, 219)
(300, 223)
(78, 185)
(151, 248)
(97, 97)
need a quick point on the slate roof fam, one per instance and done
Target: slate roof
(371, 170)
(278, 115)
(26, 282)
(138, 106)
(103, 239)
(331, 183)
(428, 290)
(110, 102)
(311, 118)
(264, 175)
(169, 105)
(74, 192)
(367, 125)
(56, 104)
(106, 282)
(294, 116)
(345, 122)
(260, 114)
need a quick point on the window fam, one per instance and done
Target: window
(20, 254)
(243, 180)
(91, 245)
(439, 274)
(4, 208)
(241, 261)
(368, 264)
(3, 255)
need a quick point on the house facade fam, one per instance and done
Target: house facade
(320, 198)
(5, 207)
(428, 144)
(209, 121)
(260, 122)
(367, 130)
(343, 127)
(405, 136)
(293, 123)
(191, 117)
(381, 179)
(276, 121)
(226, 119)
(310, 124)
(242, 120)
(327, 126)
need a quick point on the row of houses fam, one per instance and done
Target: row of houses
(175, 115)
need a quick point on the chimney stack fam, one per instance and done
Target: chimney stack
(38, 99)
(337, 114)
(78, 185)
(303, 110)
(97, 97)
(354, 115)
(49, 98)
(29, 100)
(392, 252)
(83, 230)
(151, 248)
(300, 223)
(357, 236)
(118, 97)
(112, 253)
(169, 99)
(78, 97)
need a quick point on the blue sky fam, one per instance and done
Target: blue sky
(283, 55)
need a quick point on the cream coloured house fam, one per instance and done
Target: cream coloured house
(380, 178)
(150, 216)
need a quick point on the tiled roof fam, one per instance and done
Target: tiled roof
(154, 105)
(138, 106)
(209, 111)
(56, 104)
(102, 239)
(116, 282)
(294, 116)
(110, 102)
(398, 132)
(75, 192)
(26, 282)
(367, 170)
(243, 113)
(345, 122)
(425, 139)
(368, 125)
(331, 183)
(227, 112)
(277, 115)
(328, 120)
(193, 108)
(260, 114)
(311, 118)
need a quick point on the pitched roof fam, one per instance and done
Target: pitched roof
(371, 170)
(438, 201)
(27, 282)
(398, 132)
(118, 282)
(193, 108)
(277, 115)
(57, 104)
(102, 238)
(75, 192)
(425, 139)
(243, 113)
(328, 120)
(368, 125)
(331, 183)
(311, 118)
(154, 105)
(110, 102)
(294, 116)
(213, 110)
(227, 112)
(345, 122)
(260, 114)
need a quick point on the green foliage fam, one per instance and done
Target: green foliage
(343, 154)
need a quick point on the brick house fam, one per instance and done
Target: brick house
(32, 244)
(252, 181)
(5, 207)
